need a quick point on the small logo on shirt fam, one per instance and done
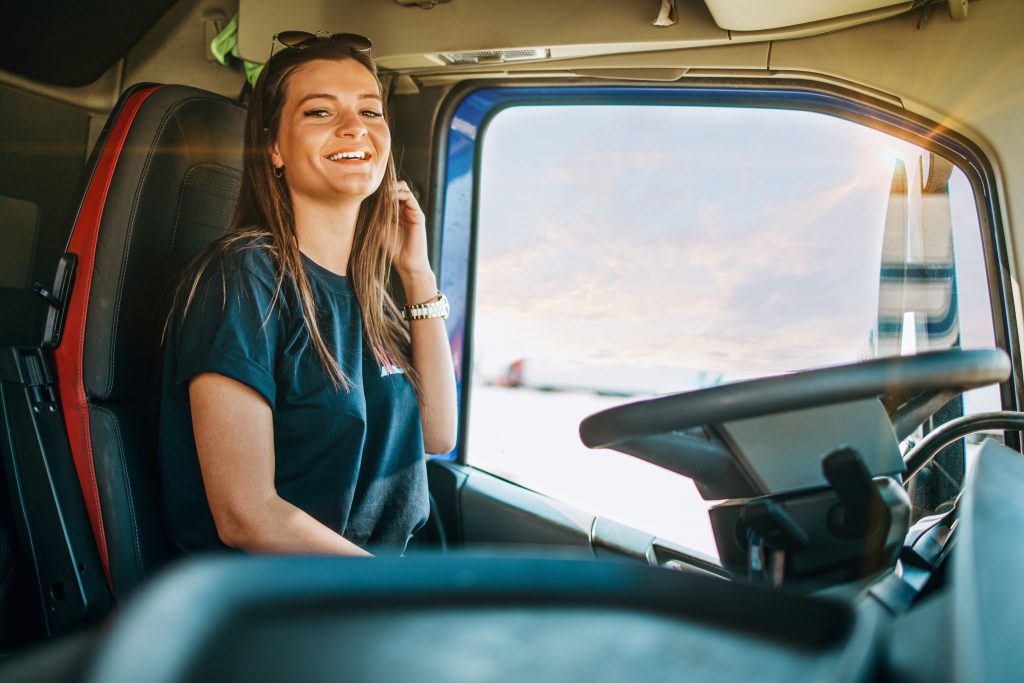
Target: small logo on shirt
(386, 370)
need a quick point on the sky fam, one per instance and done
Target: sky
(732, 242)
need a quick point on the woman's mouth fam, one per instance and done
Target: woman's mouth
(341, 156)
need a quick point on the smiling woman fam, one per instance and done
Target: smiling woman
(296, 402)
(333, 141)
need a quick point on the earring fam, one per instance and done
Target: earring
(279, 171)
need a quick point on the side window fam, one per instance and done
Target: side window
(625, 251)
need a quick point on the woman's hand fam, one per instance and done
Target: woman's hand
(410, 258)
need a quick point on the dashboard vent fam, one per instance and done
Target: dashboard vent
(494, 56)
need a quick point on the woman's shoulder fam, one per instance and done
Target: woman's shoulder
(245, 254)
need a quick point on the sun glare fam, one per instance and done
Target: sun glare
(888, 155)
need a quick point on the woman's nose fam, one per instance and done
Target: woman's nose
(350, 125)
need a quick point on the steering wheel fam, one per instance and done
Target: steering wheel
(910, 388)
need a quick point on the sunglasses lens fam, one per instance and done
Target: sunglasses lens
(354, 41)
(293, 38)
(299, 38)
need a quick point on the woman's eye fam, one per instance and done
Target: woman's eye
(317, 113)
(373, 113)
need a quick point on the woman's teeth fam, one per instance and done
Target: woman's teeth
(347, 155)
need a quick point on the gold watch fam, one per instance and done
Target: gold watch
(435, 308)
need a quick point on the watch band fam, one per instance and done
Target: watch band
(435, 308)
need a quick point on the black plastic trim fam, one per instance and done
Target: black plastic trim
(45, 493)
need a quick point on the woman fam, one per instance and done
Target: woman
(296, 401)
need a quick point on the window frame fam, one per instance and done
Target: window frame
(469, 108)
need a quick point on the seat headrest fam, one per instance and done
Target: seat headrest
(173, 191)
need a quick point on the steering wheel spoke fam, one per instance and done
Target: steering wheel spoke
(707, 461)
(908, 416)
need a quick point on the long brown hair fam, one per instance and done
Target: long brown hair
(264, 216)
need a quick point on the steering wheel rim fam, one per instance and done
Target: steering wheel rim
(927, 380)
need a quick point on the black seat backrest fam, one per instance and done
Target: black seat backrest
(163, 184)
(172, 191)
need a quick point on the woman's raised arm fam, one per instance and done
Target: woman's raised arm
(431, 355)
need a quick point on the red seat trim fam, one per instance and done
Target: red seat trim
(68, 355)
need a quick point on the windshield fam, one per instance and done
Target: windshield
(630, 251)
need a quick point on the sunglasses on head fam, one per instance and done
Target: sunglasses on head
(301, 39)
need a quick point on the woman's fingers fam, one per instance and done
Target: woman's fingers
(412, 252)
(410, 204)
(404, 192)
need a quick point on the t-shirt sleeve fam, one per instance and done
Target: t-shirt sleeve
(232, 328)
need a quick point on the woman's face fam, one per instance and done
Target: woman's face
(332, 139)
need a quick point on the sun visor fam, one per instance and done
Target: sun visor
(758, 15)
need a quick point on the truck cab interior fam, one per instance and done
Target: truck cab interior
(735, 320)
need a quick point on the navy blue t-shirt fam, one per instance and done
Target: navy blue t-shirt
(352, 459)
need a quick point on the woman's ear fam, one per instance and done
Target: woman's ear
(275, 156)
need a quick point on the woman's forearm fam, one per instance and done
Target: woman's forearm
(432, 360)
(278, 527)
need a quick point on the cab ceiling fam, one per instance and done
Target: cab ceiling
(73, 42)
(483, 33)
